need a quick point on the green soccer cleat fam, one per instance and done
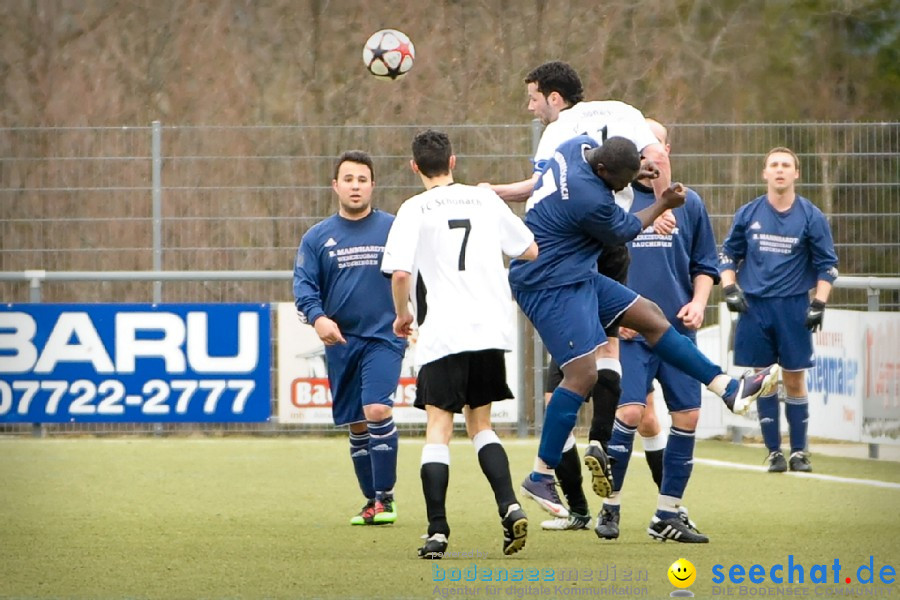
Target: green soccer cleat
(388, 513)
(366, 515)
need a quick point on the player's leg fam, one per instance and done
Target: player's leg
(678, 350)
(344, 380)
(653, 440)
(613, 263)
(566, 319)
(640, 363)
(795, 349)
(568, 472)
(487, 384)
(755, 346)
(435, 475)
(605, 397)
(440, 391)
(682, 395)
(380, 370)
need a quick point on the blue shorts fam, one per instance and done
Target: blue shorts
(773, 330)
(571, 318)
(361, 372)
(641, 366)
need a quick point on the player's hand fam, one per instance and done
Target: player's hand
(626, 334)
(403, 325)
(734, 298)
(665, 223)
(674, 195)
(328, 331)
(648, 170)
(691, 314)
(814, 315)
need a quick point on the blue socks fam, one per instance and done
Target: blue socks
(679, 351)
(362, 464)
(559, 420)
(796, 411)
(619, 450)
(678, 462)
(383, 442)
(770, 421)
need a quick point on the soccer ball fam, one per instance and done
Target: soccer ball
(389, 54)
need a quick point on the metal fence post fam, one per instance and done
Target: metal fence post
(536, 129)
(34, 296)
(156, 168)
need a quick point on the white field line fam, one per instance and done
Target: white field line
(733, 465)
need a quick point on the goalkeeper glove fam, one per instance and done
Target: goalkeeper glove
(814, 315)
(734, 298)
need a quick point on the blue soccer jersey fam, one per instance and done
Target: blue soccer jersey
(779, 254)
(338, 274)
(572, 212)
(663, 266)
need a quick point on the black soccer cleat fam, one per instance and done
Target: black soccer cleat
(674, 529)
(799, 462)
(435, 547)
(515, 529)
(597, 462)
(607, 524)
(777, 463)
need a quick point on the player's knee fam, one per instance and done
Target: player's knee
(630, 414)
(377, 412)
(686, 420)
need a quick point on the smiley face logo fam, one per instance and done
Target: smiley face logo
(682, 573)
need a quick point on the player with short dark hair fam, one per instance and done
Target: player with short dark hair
(779, 248)
(447, 244)
(340, 291)
(677, 271)
(573, 213)
(556, 97)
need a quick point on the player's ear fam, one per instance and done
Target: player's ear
(413, 166)
(452, 162)
(334, 185)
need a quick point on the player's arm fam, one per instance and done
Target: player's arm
(824, 258)
(519, 191)
(672, 197)
(692, 313)
(401, 283)
(308, 295)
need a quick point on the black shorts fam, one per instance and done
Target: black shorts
(613, 263)
(470, 379)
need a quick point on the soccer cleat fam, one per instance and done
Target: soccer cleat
(607, 524)
(366, 515)
(750, 387)
(544, 493)
(388, 514)
(674, 529)
(435, 547)
(597, 462)
(573, 522)
(777, 464)
(683, 515)
(515, 529)
(799, 461)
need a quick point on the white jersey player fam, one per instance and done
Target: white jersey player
(450, 240)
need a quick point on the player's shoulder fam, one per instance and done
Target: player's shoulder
(321, 228)
(809, 207)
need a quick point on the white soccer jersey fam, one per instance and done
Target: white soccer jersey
(600, 119)
(451, 239)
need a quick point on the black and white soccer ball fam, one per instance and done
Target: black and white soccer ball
(389, 54)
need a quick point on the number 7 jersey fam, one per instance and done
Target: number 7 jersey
(452, 239)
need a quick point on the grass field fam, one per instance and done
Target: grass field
(268, 518)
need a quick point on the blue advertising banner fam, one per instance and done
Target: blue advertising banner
(128, 363)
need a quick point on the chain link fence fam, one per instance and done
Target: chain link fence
(193, 198)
